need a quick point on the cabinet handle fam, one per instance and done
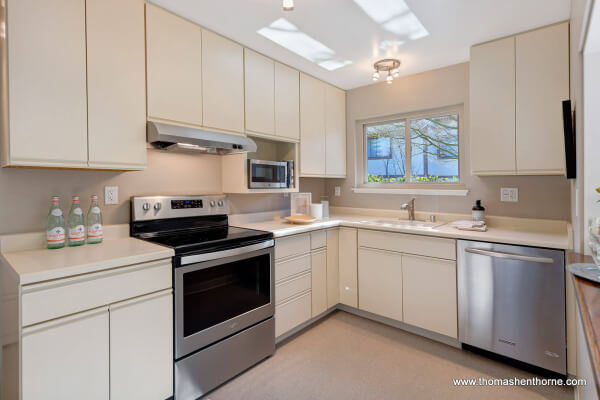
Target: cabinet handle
(510, 256)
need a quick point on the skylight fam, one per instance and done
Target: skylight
(287, 35)
(394, 16)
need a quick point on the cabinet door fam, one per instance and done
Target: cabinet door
(223, 78)
(67, 358)
(174, 65)
(287, 102)
(47, 115)
(319, 282)
(348, 268)
(116, 70)
(429, 294)
(380, 282)
(312, 126)
(542, 84)
(141, 348)
(333, 271)
(260, 92)
(335, 131)
(492, 102)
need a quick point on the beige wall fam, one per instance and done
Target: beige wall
(539, 197)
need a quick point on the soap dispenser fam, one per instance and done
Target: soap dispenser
(478, 211)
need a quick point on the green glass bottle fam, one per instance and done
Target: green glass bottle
(76, 224)
(94, 222)
(55, 226)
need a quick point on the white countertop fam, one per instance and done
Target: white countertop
(37, 265)
(539, 233)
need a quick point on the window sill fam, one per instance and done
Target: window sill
(415, 191)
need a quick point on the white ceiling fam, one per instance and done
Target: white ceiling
(344, 27)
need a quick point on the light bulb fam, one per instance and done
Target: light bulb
(288, 5)
(375, 75)
(389, 79)
(395, 73)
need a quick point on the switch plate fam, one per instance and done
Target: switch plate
(111, 195)
(509, 194)
(338, 191)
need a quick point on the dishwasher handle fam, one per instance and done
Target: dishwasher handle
(510, 256)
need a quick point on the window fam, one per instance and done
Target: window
(417, 149)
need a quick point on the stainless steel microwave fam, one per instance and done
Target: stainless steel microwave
(264, 174)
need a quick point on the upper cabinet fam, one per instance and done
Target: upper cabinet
(287, 102)
(75, 84)
(517, 86)
(174, 65)
(116, 84)
(322, 129)
(47, 115)
(260, 93)
(223, 83)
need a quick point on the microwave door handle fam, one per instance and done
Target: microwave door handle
(509, 256)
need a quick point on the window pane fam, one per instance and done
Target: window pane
(386, 152)
(434, 149)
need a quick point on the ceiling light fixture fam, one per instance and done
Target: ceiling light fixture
(389, 65)
(288, 5)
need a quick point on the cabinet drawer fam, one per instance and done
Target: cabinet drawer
(292, 246)
(292, 313)
(288, 268)
(408, 243)
(292, 287)
(318, 239)
(48, 300)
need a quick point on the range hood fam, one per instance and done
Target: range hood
(173, 137)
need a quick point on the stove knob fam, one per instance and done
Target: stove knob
(220, 203)
(212, 203)
(157, 206)
(146, 206)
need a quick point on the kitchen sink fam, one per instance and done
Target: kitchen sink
(399, 223)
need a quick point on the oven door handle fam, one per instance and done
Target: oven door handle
(186, 260)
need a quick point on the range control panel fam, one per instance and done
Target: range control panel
(160, 207)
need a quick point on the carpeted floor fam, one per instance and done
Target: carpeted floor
(348, 357)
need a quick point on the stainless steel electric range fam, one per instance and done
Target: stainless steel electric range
(223, 282)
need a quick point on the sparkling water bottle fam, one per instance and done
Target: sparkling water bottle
(55, 226)
(75, 224)
(94, 222)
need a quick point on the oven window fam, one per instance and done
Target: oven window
(268, 173)
(217, 294)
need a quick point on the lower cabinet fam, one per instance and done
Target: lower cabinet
(380, 282)
(141, 348)
(319, 281)
(67, 358)
(292, 313)
(348, 272)
(333, 267)
(429, 294)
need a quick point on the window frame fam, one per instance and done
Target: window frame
(361, 160)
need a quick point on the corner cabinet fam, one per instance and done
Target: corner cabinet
(62, 97)
(517, 86)
(322, 129)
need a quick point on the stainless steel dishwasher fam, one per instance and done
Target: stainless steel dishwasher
(511, 301)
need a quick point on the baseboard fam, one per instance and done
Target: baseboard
(304, 325)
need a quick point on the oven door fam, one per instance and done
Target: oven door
(267, 174)
(232, 290)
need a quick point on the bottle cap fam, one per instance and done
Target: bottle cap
(55, 199)
(75, 199)
(94, 197)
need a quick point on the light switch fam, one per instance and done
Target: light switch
(338, 191)
(509, 195)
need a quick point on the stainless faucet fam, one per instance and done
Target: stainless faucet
(410, 206)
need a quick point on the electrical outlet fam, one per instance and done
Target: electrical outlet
(509, 194)
(111, 195)
(338, 191)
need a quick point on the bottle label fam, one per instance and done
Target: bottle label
(77, 233)
(56, 235)
(56, 212)
(96, 210)
(77, 211)
(95, 232)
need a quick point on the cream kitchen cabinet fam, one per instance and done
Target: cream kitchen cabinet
(45, 84)
(318, 260)
(287, 102)
(518, 129)
(333, 268)
(174, 65)
(348, 269)
(322, 129)
(223, 83)
(116, 84)
(259, 73)
(380, 282)
(429, 294)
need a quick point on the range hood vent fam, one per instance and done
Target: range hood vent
(180, 138)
